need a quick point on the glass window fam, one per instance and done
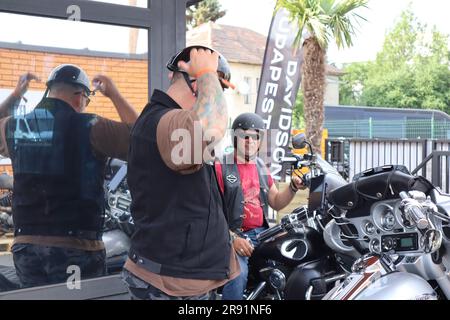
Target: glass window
(247, 97)
(134, 3)
(67, 34)
(37, 138)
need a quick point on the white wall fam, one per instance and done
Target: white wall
(33, 97)
(235, 100)
(332, 91)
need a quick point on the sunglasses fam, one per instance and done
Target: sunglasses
(247, 135)
(88, 100)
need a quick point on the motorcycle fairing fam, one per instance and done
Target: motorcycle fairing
(377, 184)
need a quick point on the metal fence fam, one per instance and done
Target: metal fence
(389, 129)
(428, 158)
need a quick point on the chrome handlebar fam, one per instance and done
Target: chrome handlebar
(287, 223)
(414, 211)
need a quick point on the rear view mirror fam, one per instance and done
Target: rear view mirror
(299, 141)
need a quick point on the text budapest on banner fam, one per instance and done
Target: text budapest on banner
(280, 81)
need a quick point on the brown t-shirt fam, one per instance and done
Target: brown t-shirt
(173, 128)
(108, 139)
(180, 287)
(189, 121)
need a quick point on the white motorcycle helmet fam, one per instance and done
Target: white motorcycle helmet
(69, 73)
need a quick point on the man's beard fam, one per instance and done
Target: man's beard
(246, 154)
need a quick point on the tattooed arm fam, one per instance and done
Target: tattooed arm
(210, 106)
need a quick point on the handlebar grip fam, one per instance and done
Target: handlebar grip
(404, 195)
(418, 217)
(292, 159)
(266, 234)
(414, 212)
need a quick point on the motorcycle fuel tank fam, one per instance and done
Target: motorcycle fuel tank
(392, 286)
(398, 286)
(291, 248)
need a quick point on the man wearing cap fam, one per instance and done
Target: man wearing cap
(248, 190)
(58, 155)
(181, 247)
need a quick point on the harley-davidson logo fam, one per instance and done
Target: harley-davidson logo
(231, 178)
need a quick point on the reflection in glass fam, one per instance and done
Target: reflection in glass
(34, 128)
(70, 34)
(118, 52)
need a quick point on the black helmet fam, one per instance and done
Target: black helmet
(69, 73)
(248, 121)
(184, 55)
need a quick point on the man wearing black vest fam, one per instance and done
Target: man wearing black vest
(248, 190)
(58, 155)
(181, 248)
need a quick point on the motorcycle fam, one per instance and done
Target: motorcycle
(292, 260)
(399, 225)
(6, 221)
(118, 226)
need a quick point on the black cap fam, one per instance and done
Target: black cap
(248, 121)
(223, 68)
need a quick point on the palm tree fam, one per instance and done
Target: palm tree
(323, 20)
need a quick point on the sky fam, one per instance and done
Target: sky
(380, 14)
(252, 14)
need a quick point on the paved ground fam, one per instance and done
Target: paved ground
(301, 198)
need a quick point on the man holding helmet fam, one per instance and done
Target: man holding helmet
(58, 155)
(248, 191)
(181, 247)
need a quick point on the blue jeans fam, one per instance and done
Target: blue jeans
(234, 289)
(141, 290)
(38, 265)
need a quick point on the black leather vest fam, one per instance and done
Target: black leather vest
(58, 182)
(181, 230)
(233, 195)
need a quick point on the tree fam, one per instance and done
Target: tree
(322, 19)
(207, 10)
(411, 71)
(352, 83)
(298, 120)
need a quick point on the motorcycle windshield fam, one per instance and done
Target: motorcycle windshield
(325, 166)
(332, 178)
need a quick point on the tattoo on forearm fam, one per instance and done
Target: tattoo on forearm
(211, 103)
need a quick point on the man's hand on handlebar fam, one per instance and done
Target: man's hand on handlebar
(298, 183)
(243, 247)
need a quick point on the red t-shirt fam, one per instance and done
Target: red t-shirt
(253, 212)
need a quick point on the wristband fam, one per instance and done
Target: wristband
(204, 71)
(293, 188)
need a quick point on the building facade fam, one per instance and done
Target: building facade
(245, 49)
